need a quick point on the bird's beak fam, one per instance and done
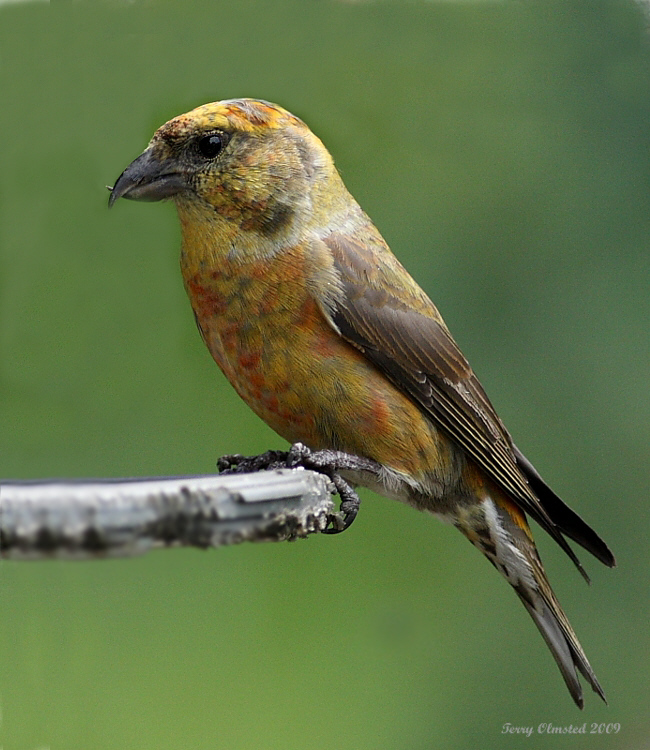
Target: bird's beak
(148, 178)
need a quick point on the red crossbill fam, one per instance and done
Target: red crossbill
(330, 341)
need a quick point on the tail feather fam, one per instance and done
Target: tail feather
(566, 519)
(500, 530)
(564, 645)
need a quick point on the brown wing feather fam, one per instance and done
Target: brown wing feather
(387, 317)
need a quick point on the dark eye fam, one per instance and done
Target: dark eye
(211, 145)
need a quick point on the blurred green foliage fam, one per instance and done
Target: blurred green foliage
(503, 150)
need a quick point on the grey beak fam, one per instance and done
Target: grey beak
(148, 179)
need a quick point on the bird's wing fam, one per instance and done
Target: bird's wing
(385, 315)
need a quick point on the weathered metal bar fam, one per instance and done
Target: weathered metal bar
(92, 519)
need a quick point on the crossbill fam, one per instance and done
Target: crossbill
(326, 336)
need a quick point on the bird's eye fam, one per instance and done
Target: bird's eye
(211, 145)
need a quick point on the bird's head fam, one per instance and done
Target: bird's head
(247, 162)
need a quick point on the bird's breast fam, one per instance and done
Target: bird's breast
(265, 332)
(265, 329)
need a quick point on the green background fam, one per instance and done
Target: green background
(503, 150)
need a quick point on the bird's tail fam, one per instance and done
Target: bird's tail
(500, 530)
(563, 643)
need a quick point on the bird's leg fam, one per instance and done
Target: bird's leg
(327, 462)
(331, 463)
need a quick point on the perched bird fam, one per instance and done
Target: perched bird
(330, 341)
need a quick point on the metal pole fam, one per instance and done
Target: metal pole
(92, 519)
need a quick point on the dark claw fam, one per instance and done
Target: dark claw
(227, 464)
(235, 463)
(350, 503)
(328, 462)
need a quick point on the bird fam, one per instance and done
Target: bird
(327, 337)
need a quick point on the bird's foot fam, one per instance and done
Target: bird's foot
(235, 463)
(327, 462)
